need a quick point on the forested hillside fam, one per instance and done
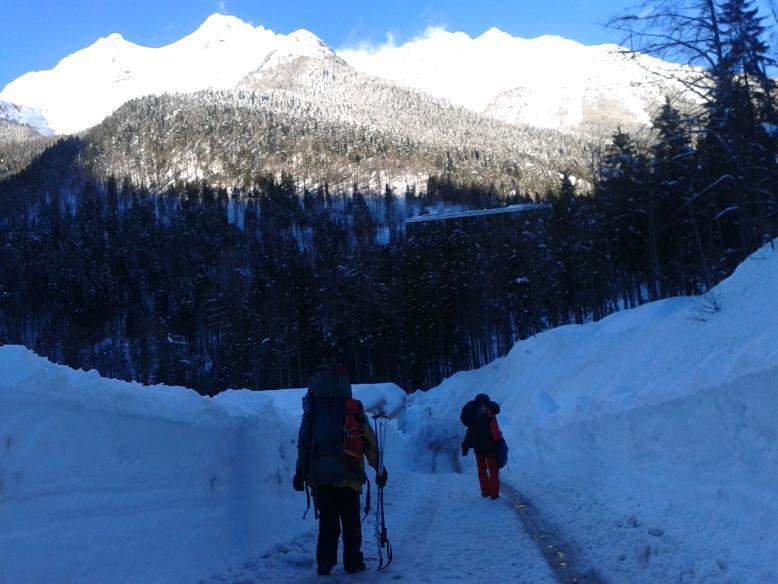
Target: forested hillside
(230, 138)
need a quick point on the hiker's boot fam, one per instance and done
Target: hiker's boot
(358, 568)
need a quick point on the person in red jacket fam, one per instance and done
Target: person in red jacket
(483, 435)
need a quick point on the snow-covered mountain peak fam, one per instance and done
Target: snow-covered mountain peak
(302, 35)
(221, 28)
(88, 85)
(109, 46)
(309, 44)
(219, 23)
(115, 37)
(494, 35)
(303, 43)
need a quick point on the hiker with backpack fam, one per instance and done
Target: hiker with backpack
(334, 438)
(485, 438)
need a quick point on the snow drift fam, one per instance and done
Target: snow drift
(106, 481)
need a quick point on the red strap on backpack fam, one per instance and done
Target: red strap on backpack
(494, 427)
(354, 430)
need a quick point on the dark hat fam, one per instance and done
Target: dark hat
(482, 397)
(335, 367)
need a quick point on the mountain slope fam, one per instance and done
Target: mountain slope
(22, 121)
(23, 136)
(232, 101)
(230, 138)
(324, 122)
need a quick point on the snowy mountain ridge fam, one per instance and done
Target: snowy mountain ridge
(546, 82)
(90, 84)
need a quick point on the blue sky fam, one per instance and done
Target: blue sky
(36, 34)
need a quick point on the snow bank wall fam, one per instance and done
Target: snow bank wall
(726, 434)
(105, 481)
(681, 491)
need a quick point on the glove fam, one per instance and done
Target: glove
(298, 482)
(380, 479)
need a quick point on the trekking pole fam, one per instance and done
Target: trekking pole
(384, 539)
(381, 532)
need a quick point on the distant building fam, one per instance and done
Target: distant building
(477, 219)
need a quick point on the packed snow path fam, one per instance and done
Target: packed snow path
(441, 530)
(557, 552)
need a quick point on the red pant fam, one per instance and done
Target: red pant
(488, 475)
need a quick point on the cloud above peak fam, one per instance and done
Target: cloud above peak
(390, 42)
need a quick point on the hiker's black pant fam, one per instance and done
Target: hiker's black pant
(339, 508)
